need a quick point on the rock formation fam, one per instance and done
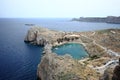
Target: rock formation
(43, 36)
(55, 67)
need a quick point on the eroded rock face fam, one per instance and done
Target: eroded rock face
(43, 36)
(39, 36)
(54, 67)
(51, 66)
(31, 35)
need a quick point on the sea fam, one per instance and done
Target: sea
(77, 51)
(18, 60)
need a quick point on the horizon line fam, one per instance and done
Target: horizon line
(60, 17)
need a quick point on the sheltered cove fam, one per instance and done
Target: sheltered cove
(56, 67)
(76, 50)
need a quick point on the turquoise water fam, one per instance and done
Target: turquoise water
(76, 50)
(18, 60)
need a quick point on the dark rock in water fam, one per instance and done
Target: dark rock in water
(30, 24)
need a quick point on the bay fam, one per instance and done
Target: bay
(18, 60)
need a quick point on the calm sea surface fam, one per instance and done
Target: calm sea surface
(76, 50)
(18, 61)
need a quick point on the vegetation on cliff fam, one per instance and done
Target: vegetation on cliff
(54, 67)
(102, 46)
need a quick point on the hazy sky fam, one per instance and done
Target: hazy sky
(59, 8)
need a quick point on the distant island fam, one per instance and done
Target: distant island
(30, 24)
(108, 19)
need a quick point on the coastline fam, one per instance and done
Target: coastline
(108, 19)
(49, 38)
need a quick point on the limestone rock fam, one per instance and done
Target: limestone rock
(39, 36)
(31, 35)
(43, 36)
(54, 67)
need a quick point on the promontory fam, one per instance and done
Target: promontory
(108, 19)
(103, 48)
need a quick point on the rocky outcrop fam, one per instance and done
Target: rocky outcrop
(112, 73)
(54, 67)
(33, 36)
(116, 72)
(108, 73)
(43, 36)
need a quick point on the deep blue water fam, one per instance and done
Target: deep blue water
(77, 51)
(18, 61)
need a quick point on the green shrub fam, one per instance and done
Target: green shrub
(94, 57)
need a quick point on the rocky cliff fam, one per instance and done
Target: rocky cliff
(56, 67)
(42, 36)
(109, 19)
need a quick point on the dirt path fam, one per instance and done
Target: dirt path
(101, 69)
(109, 51)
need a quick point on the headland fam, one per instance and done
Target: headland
(108, 19)
(103, 47)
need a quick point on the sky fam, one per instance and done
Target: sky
(58, 8)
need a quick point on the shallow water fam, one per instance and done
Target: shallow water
(18, 61)
(77, 51)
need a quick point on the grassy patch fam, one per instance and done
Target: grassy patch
(94, 57)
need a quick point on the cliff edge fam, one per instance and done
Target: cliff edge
(101, 60)
(41, 36)
(54, 67)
